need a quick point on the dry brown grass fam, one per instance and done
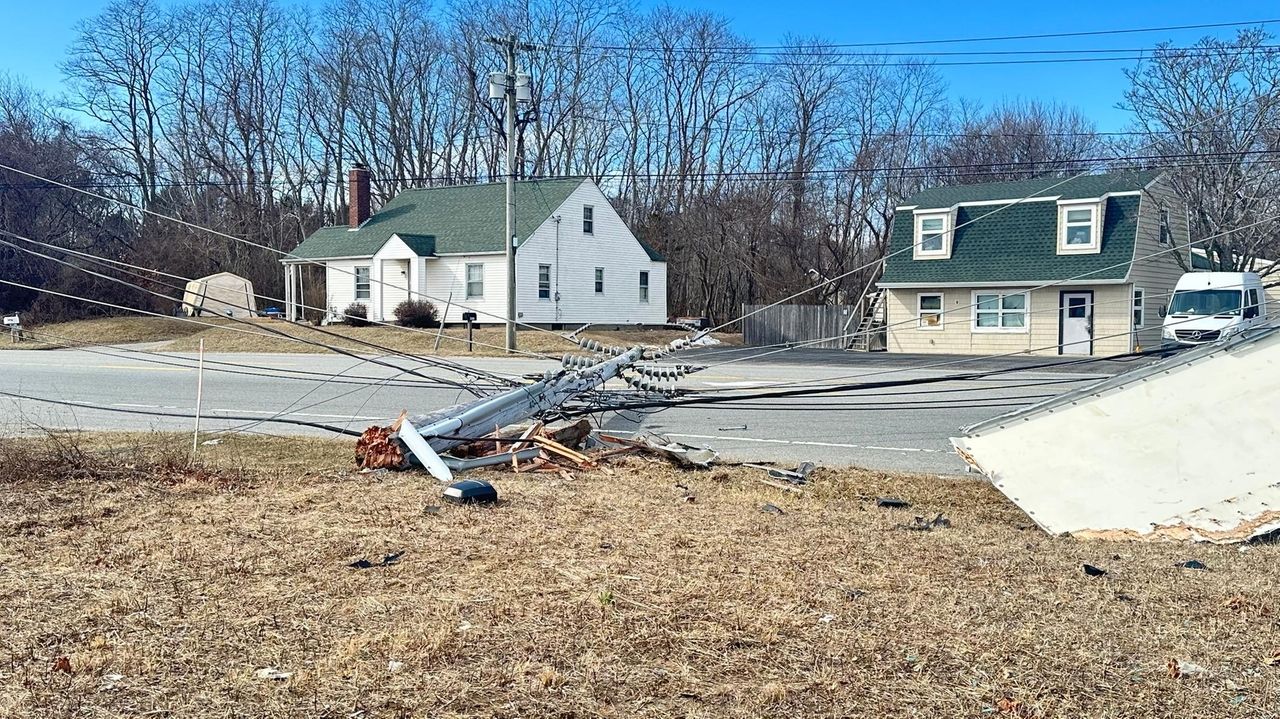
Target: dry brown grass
(228, 336)
(605, 595)
(105, 330)
(488, 340)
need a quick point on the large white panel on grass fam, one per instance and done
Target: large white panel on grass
(1184, 448)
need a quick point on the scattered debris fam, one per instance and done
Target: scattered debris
(394, 666)
(771, 509)
(826, 618)
(422, 439)
(387, 560)
(1145, 454)
(464, 626)
(1273, 660)
(684, 455)
(737, 428)
(109, 682)
(211, 443)
(432, 509)
(1184, 669)
(1093, 571)
(62, 664)
(272, 673)
(892, 503)
(920, 524)
(1192, 564)
(471, 491)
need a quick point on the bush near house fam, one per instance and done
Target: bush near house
(417, 313)
(356, 315)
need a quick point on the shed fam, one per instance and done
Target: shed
(220, 295)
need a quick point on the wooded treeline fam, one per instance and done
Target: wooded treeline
(753, 170)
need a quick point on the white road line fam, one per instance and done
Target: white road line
(808, 444)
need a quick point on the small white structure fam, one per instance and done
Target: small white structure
(576, 259)
(220, 295)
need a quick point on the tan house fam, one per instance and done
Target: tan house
(1045, 266)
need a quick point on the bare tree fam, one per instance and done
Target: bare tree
(1214, 111)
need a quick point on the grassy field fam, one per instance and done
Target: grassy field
(105, 330)
(133, 584)
(227, 336)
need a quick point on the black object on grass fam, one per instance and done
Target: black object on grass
(471, 491)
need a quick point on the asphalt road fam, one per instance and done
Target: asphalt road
(894, 429)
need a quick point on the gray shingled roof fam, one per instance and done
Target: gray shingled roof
(1076, 188)
(1017, 243)
(445, 220)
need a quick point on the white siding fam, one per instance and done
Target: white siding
(447, 275)
(340, 285)
(390, 287)
(573, 260)
(611, 246)
(1154, 269)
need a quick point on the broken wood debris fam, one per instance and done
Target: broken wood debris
(535, 448)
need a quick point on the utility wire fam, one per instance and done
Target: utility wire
(301, 260)
(271, 331)
(952, 41)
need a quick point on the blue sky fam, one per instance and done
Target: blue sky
(39, 33)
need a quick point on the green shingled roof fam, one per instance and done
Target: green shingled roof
(1018, 243)
(1075, 188)
(444, 220)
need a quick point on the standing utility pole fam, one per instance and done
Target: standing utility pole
(514, 87)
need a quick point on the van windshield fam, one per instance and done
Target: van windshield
(1206, 302)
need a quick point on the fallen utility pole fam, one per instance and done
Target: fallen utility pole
(423, 438)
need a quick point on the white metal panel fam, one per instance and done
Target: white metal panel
(1183, 449)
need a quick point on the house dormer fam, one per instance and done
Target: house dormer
(1080, 226)
(934, 230)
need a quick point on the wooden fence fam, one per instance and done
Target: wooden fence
(798, 324)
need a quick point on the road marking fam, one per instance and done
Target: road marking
(808, 443)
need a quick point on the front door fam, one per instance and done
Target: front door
(1075, 335)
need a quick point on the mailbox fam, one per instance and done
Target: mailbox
(468, 317)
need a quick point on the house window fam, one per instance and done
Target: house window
(475, 280)
(544, 282)
(1139, 308)
(362, 283)
(644, 286)
(999, 312)
(588, 219)
(929, 311)
(1166, 232)
(933, 240)
(599, 280)
(1077, 228)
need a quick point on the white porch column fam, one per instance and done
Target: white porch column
(288, 291)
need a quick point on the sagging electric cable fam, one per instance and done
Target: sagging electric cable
(269, 330)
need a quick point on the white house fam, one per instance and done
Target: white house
(576, 260)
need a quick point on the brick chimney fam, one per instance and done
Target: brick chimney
(358, 209)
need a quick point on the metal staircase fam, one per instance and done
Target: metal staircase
(872, 323)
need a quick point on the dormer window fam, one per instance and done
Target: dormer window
(933, 236)
(1079, 228)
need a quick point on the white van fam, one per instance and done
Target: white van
(1207, 306)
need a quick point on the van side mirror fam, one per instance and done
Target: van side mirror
(1164, 310)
